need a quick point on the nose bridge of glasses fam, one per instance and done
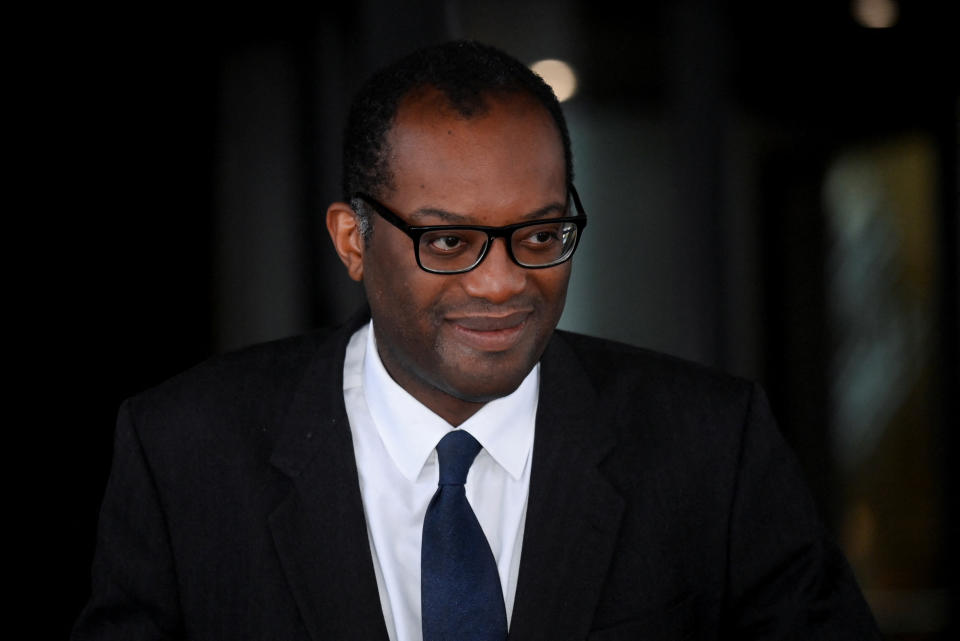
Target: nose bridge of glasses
(488, 248)
(497, 274)
(509, 236)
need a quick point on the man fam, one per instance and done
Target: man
(290, 491)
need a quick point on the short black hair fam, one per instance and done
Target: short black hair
(465, 72)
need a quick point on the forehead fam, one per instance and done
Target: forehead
(509, 147)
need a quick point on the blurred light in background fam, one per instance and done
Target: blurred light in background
(875, 14)
(559, 75)
(882, 268)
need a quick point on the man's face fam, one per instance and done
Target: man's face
(473, 336)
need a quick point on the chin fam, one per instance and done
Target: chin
(480, 389)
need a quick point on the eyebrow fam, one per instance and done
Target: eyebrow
(460, 219)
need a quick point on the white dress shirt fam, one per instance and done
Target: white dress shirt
(395, 438)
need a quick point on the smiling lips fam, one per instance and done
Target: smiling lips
(490, 333)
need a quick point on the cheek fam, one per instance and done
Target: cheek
(403, 299)
(386, 277)
(552, 285)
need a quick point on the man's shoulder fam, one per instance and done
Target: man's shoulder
(246, 389)
(672, 414)
(611, 364)
(269, 363)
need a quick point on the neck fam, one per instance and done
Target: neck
(452, 409)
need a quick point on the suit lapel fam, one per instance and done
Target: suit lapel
(319, 529)
(573, 514)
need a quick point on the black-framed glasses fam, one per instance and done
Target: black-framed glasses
(454, 249)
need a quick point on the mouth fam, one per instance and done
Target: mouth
(490, 333)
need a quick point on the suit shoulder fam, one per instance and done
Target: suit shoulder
(252, 365)
(614, 365)
(670, 413)
(243, 387)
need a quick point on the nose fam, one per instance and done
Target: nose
(497, 279)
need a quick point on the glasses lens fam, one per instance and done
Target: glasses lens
(451, 250)
(544, 243)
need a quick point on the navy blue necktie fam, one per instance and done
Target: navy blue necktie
(460, 593)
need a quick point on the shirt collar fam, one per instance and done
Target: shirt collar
(410, 431)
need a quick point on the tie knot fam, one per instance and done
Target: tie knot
(456, 452)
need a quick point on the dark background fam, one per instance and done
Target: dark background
(184, 161)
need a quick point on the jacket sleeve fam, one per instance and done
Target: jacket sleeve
(134, 587)
(786, 578)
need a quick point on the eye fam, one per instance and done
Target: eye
(445, 242)
(540, 236)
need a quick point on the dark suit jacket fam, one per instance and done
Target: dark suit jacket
(663, 505)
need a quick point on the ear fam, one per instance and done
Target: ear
(342, 225)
